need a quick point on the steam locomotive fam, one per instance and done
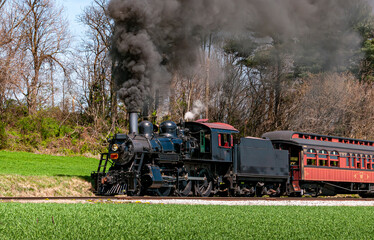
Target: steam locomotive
(203, 159)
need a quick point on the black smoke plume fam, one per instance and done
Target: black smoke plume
(155, 37)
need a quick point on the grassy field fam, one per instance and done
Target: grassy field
(146, 221)
(44, 186)
(29, 164)
(28, 174)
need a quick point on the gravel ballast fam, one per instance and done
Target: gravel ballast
(264, 202)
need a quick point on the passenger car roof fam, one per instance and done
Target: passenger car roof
(312, 139)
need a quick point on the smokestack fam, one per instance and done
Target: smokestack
(134, 122)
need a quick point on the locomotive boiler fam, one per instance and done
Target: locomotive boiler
(190, 158)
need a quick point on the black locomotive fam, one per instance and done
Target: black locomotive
(191, 158)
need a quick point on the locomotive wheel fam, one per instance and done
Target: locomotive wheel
(203, 188)
(185, 188)
(137, 192)
(247, 191)
(164, 191)
(274, 192)
(260, 189)
(138, 189)
(366, 195)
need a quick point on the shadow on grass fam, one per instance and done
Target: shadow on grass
(85, 178)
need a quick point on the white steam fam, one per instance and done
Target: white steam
(198, 107)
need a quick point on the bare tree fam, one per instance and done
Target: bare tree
(46, 40)
(11, 36)
(95, 70)
(334, 104)
(185, 90)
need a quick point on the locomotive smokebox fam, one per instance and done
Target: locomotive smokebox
(134, 122)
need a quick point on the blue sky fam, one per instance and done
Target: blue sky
(73, 8)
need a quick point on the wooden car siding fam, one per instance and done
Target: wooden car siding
(337, 174)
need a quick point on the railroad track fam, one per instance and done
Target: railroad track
(56, 198)
(145, 198)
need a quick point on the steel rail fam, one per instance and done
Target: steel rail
(134, 198)
(57, 198)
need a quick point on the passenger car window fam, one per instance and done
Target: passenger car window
(322, 158)
(311, 157)
(334, 159)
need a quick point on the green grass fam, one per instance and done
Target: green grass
(146, 221)
(29, 164)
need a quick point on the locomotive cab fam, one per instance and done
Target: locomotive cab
(215, 140)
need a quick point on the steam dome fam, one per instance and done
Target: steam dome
(146, 128)
(168, 129)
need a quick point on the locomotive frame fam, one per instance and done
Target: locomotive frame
(194, 158)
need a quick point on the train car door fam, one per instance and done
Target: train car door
(296, 163)
(296, 166)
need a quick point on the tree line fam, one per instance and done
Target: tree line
(58, 95)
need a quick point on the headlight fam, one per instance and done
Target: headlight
(114, 147)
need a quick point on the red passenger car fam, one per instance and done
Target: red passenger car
(327, 165)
